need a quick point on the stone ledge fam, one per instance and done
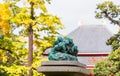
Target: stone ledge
(63, 63)
(63, 69)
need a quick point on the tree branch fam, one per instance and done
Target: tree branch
(6, 50)
(111, 19)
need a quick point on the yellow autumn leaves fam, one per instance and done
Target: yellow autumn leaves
(3, 57)
(39, 4)
(22, 18)
(4, 18)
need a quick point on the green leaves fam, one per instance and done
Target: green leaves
(110, 66)
(114, 41)
(108, 10)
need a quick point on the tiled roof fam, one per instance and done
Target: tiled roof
(91, 39)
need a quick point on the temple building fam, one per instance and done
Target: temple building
(91, 42)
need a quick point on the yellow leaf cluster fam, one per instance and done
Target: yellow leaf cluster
(39, 4)
(50, 21)
(3, 57)
(42, 6)
(22, 18)
(4, 17)
(15, 70)
(36, 64)
(45, 44)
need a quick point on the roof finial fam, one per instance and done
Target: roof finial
(80, 23)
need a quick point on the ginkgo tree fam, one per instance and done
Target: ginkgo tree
(36, 24)
(10, 49)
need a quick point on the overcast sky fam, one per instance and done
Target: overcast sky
(73, 12)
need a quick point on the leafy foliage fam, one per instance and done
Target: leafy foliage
(13, 48)
(110, 11)
(12, 51)
(109, 66)
(4, 17)
(114, 41)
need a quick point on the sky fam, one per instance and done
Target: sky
(75, 12)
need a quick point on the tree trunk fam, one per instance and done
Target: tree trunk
(30, 39)
(30, 51)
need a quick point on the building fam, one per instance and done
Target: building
(91, 42)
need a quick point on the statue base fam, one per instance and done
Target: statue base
(63, 68)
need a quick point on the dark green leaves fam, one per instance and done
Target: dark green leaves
(114, 41)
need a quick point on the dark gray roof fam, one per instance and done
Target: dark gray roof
(91, 39)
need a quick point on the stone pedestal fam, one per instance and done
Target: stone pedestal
(63, 68)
